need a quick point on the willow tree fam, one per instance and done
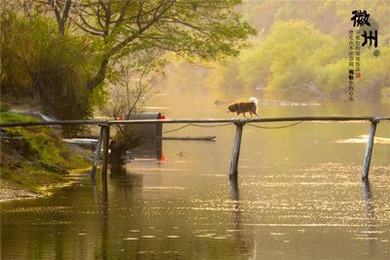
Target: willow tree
(193, 29)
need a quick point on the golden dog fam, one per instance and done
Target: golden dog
(245, 107)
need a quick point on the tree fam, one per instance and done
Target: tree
(209, 30)
(47, 68)
(127, 91)
(61, 10)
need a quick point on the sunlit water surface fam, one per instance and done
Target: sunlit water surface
(299, 197)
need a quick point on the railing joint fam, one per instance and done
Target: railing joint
(240, 122)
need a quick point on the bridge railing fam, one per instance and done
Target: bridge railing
(239, 123)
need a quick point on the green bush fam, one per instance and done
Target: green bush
(41, 64)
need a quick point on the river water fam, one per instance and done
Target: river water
(299, 196)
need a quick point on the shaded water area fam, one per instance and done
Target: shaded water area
(299, 196)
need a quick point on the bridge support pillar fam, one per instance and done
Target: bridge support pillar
(368, 153)
(106, 134)
(97, 153)
(236, 150)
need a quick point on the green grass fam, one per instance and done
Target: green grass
(10, 117)
(34, 158)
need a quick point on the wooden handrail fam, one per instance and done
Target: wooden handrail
(197, 121)
(240, 123)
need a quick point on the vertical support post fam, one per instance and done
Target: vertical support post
(368, 153)
(236, 150)
(105, 150)
(234, 191)
(97, 153)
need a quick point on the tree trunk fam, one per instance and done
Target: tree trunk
(121, 143)
(100, 75)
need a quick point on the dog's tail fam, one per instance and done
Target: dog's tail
(253, 100)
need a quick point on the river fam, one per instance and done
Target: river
(299, 195)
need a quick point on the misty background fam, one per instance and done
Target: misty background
(300, 53)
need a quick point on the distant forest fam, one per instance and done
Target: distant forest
(300, 52)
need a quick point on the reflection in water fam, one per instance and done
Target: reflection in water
(368, 202)
(93, 174)
(242, 239)
(59, 242)
(124, 182)
(369, 217)
(234, 192)
(104, 218)
(298, 198)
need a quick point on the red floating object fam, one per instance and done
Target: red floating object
(162, 158)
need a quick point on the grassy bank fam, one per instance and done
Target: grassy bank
(35, 158)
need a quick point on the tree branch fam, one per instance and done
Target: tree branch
(90, 27)
(57, 14)
(97, 33)
(134, 36)
(65, 15)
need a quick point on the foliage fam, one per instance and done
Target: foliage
(39, 63)
(285, 61)
(65, 53)
(206, 30)
(375, 77)
(126, 93)
(300, 53)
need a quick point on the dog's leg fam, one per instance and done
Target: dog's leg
(255, 113)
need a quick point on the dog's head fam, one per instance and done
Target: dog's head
(232, 108)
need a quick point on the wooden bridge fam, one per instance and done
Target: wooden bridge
(239, 123)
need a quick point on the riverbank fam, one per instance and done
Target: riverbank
(34, 160)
